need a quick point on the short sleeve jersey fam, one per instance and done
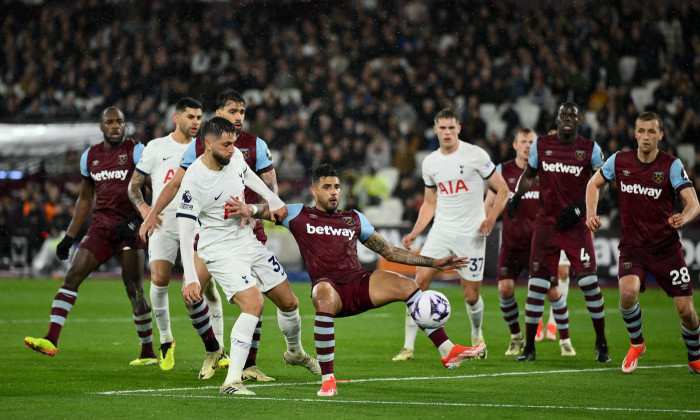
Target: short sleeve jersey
(328, 241)
(110, 171)
(202, 196)
(646, 192)
(459, 180)
(160, 160)
(564, 170)
(517, 232)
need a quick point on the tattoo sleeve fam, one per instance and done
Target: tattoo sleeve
(378, 244)
(134, 191)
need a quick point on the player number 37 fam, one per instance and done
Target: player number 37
(680, 276)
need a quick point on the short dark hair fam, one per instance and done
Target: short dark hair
(571, 104)
(110, 108)
(524, 131)
(648, 116)
(229, 95)
(187, 102)
(215, 128)
(323, 171)
(447, 113)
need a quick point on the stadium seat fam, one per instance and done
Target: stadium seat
(496, 126)
(392, 176)
(528, 111)
(253, 96)
(419, 156)
(592, 121)
(627, 67)
(392, 208)
(641, 97)
(686, 152)
(489, 112)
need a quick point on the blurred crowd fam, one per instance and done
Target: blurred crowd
(351, 83)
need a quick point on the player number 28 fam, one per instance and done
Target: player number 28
(680, 276)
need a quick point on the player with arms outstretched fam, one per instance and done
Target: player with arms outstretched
(106, 169)
(327, 239)
(648, 180)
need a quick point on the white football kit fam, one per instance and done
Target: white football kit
(160, 161)
(231, 252)
(459, 180)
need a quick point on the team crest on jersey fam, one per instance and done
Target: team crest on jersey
(626, 265)
(537, 179)
(85, 239)
(504, 271)
(245, 152)
(348, 220)
(580, 155)
(121, 159)
(658, 177)
(535, 266)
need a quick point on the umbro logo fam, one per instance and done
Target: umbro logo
(548, 153)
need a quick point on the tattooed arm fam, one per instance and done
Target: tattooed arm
(378, 244)
(135, 194)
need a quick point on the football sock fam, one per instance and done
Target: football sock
(144, 328)
(161, 311)
(564, 289)
(534, 306)
(561, 316)
(255, 343)
(692, 342)
(410, 326)
(216, 312)
(199, 317)
(62, 304)
(509, 309)
(241, 337)
(324, 337)
(290, 325)
(633, 322)
(595, 305)
(476, 316)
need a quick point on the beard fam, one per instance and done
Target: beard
(220, 159)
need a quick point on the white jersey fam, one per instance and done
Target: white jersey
(203, 196)
(160, 160)
(459, 179)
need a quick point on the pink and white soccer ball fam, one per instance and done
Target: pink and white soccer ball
(431, 309)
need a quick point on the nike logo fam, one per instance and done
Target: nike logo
(166, 158)
(217, 197)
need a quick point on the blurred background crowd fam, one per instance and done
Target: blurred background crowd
(351, 83)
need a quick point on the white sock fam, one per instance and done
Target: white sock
(410, 330)
(216, 312)
(564, 288)
(445, 348)
(326, 377)
(241, 337)
(161, 311)
(290, 325)
(476, 316)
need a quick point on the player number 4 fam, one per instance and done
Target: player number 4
(584, 255)
(680, 276)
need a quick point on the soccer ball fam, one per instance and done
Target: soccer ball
(431, 309)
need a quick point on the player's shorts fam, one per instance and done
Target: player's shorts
(353, 292)
(163, 245)
(512, 262)
(441, 244)
(668, 268)
(239, 269)
(547, 244)
(105, 242)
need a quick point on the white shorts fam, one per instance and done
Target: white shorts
(562, 258)
(242, 268)
(163, 245)
(441, 244)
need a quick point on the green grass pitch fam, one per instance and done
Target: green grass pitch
(90, 377)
